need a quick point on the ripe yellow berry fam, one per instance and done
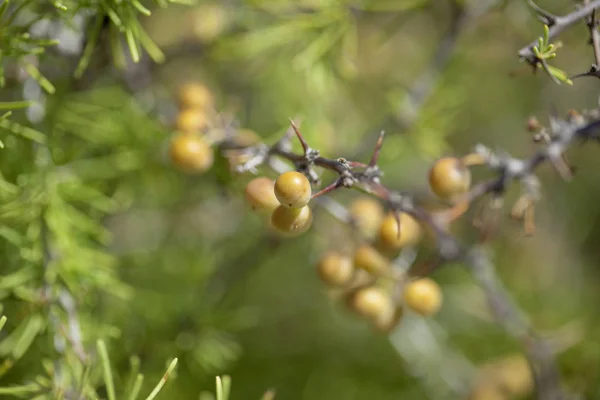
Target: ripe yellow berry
(335, 269)
(260, 195)
(209, 21)
(246, 137)
(291, 221)
(514, 375)
(449, 178)
(423, 296)
(410, 231)
(191, 121)
(389, 321)
(487, 391)
(368, 214)
(369, 259)
(293, 189)
(372, 303)
(196, 96)
(191, 153)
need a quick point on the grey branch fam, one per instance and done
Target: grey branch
(560, 23)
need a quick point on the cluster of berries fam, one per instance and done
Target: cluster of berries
(369, 283)
(190, 149)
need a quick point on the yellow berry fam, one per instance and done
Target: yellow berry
(487, 391)
(387, 322)
(368, 214)
(260, 195)
(514, 375)
(195, 96)
(423, 296)
(293, 189)
(209, 21)
(191, 121)
(372, 303)
(191, 153)
(369, 259)
(291, 221)
(410, 231)
(335, 269)
(449, 178)
(246, 137)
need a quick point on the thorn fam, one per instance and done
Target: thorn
(546, 17)
(520, 206)
(563, 169)
(356, 164)
(378, 145)
(335, 185)
(529, 220)
(300, 137)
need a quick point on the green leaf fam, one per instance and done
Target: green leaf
(163, 380)
(560, 75)
(39, 78)
(23, 336)
(91, 42)
(23, 131)
(12, 105)
(106, 370)
(20, 390)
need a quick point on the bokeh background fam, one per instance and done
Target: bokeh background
(199, 277)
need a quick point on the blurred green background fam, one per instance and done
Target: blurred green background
(183, 269)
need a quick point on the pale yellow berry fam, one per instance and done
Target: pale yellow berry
(423, 296)
(371, 302)
(410, 231)
(369, 259)
(367, 214)
(291, 221)
(449, 178)
(260, 195)
(191, 153)
(335, 269)
(293, 189)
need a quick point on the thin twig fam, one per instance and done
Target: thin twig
(560, 24)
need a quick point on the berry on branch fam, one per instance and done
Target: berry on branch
(191, 153)
(369, 259)
(291, 221)
(293, 189)
(335, 269)
(191, 121)
(194, 95)
(371, 302)
(410, 231)
(260, 195)
(423, 296)
(367, 213)
(449, 178)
